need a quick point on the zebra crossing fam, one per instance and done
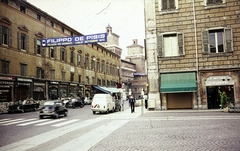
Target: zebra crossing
(36, 122)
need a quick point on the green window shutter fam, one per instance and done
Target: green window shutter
(19, 40)
(35, 45)
(27, 43)
(205, 42)
(160, 45)
(181, 44)
(9, 37)
(228, 40)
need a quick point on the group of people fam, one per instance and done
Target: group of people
(132, 100)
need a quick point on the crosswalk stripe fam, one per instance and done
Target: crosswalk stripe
(49, 122)
(11, 120)
(4, 119)
(64, 123)
(19, 122)
(33, 122)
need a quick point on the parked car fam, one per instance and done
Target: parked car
(87, 101)
(74, 102)
(53, 108)
(102, 103)
(26, 105)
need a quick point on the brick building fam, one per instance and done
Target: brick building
(29, 70)
(193, 50)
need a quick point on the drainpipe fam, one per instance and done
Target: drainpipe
(195, 34)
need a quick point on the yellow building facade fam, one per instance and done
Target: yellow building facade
(29, 70)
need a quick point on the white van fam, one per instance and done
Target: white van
(102, 103)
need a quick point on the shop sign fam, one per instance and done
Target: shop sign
(72, 84)
(7, 78)
(54, 82)
(39, 84)
(21, 83)
(24, 80)
(6, 82)
(4, 86)
(219, 80)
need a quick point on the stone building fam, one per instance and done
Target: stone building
(29, 70)
(193, 50)
(136, 55)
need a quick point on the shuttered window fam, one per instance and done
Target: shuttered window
(217, 41)
(168, 4)
(210, 2)
(170, 45)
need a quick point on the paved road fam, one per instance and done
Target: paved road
(155, 131)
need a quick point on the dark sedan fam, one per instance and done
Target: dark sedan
(53, 108)
(26, 105)
(74, 102)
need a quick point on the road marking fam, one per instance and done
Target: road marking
(34, 141)
(33, 122)
(19, 121)
(11, 120)
(86, 141)
(65, 123)
(50, 122)
(4, 119)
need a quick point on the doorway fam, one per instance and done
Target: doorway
(214, 95)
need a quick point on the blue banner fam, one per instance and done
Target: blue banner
(77, 40)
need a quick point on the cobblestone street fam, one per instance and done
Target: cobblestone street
(154, 131)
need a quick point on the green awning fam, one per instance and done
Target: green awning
(178, 82)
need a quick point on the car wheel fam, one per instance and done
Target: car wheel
(93, 112)
(73, 106)
(65, 113)
(67, 105)
(56, 115)
(22, 110)
(40, 116)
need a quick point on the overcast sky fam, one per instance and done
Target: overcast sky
(126, 17)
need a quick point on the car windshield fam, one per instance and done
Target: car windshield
(49, 103)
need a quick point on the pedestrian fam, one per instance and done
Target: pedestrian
(132, 103)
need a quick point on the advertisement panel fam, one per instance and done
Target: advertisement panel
(76, 40)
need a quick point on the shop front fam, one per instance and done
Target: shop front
(53, 90)
(178, 90)
(73, 89)
(23, 88)
(39, 88)
(6, 88)
(63, 90)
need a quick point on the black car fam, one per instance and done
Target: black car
(26, 105)
(53, 108)
(74, 102)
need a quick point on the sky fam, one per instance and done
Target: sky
(126, 17)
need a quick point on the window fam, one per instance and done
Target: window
(87, 80)
(62, 54)
(211, 2)
(71, 76)
(103, 67)
(169, 45)
(38, 17)
(86, 62)
(99, 82)
(79, 59)
(23, 69)
(52, 52)
(62, 29)
(52, 74)
(167, 5)
(217, 41)
(63, 76)
(93, 64)
(72, 57)
(93, 79)
(103, 82)
(40, 73)
(6, 36)
(79, 79)
(5, 1)
(98, 66)
(23, 41)
(107, 68)
(5, 67)
(38, 47)
(52, 23)
(22, 9)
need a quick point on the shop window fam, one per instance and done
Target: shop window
(40, 73)
(23, 69)
(217, 41)
(170, 45)
(5, 67)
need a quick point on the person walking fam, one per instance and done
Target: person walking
(132, 103)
